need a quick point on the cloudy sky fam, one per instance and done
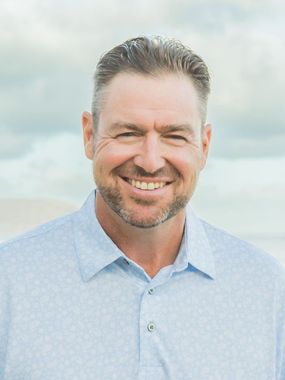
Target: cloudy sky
(48, 53)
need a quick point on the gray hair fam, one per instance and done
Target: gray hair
(151, 56)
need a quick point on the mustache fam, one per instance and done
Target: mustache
(137, 171)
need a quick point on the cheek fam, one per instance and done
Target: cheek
(186, 162)
(111, 155)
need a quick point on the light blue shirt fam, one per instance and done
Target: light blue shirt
(74, 307)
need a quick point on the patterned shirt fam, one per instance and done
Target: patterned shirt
(74, 307)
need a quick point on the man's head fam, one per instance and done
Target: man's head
(151, 57)
(147, 135)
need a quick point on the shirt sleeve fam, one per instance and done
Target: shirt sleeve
(280, 318)
(4, 320)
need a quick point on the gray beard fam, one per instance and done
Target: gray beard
(113, 199)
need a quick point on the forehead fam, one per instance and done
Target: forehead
(168, 98)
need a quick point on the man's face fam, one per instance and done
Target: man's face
(148, 147)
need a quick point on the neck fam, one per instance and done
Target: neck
(151, 248)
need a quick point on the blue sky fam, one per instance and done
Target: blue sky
(48, 53)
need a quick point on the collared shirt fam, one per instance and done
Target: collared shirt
(74, 307)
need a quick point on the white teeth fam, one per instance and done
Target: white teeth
(145, 185)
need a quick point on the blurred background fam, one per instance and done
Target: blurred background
(49, 50)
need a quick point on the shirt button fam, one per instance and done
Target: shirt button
(151, 327)
(151, 291)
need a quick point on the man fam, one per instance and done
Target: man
(134, 285)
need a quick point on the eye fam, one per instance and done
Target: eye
(176, 139)
(128, 137)
(127, 134)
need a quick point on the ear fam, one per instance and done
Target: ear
(206, 139)
(88, 134)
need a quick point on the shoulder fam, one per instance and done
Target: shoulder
(36, 241)
(237, 254)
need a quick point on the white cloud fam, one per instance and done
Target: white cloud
(56, 168)
(244, 196)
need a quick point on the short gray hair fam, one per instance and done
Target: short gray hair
(151, 56)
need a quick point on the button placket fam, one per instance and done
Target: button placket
(149, 326)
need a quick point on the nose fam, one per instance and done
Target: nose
(150, 156)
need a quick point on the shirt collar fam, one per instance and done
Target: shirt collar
(95, 250)
(198, 250)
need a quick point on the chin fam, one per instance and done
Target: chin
(143, 219)
(143, 214)
(140, 222)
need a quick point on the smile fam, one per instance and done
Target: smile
(145, 185)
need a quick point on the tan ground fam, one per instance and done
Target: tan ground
(19, 215)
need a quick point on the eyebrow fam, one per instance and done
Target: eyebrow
(165, 128)
(178, 128)
(129, 126)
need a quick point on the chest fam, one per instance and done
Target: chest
(188, 328)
